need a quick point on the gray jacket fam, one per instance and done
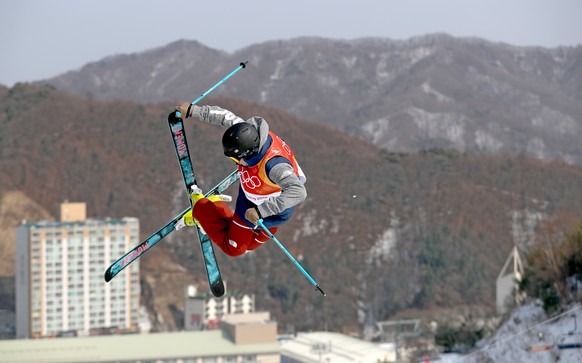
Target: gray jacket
(293, 190)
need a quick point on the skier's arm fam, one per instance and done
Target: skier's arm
(219, 116)
(216, 116)
(212, 114)
(293, 191)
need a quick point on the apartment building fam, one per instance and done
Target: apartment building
(60, 289)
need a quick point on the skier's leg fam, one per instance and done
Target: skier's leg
(260, 237)
(240, 236)
(216, 218)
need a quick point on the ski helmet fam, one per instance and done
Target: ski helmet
(241, 140)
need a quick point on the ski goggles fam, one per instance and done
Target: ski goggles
(236, 157)
(236, 161)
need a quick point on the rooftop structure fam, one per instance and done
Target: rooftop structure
(333, 348)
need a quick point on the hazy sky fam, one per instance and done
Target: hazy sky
(43, 38)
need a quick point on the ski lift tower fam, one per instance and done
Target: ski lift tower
(507, 291)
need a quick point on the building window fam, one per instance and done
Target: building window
(250, 359)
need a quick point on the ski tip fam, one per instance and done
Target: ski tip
(107, 276)
(174, 117)
(218, 289)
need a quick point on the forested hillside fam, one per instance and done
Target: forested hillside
(383, 232)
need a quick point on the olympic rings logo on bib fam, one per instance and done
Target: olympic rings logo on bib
(250, 182)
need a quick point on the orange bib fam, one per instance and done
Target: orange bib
(254, 180)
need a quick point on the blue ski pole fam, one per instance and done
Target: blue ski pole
(291, 257)
(241, 66)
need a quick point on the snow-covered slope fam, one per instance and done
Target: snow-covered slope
(529, 335)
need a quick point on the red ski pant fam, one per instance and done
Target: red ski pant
(226, 229)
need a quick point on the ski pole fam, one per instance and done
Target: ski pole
(241, 66)
(291, 257)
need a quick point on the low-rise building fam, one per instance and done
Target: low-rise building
(330, 347)
(205, 311)
(249, 340)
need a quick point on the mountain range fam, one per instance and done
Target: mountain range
(433, 91)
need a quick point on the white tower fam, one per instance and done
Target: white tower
(506, 287)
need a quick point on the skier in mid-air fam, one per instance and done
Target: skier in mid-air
(271, 182)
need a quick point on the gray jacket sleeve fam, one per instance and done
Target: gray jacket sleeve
(219, 116)
(216, 116)
(293, 193)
